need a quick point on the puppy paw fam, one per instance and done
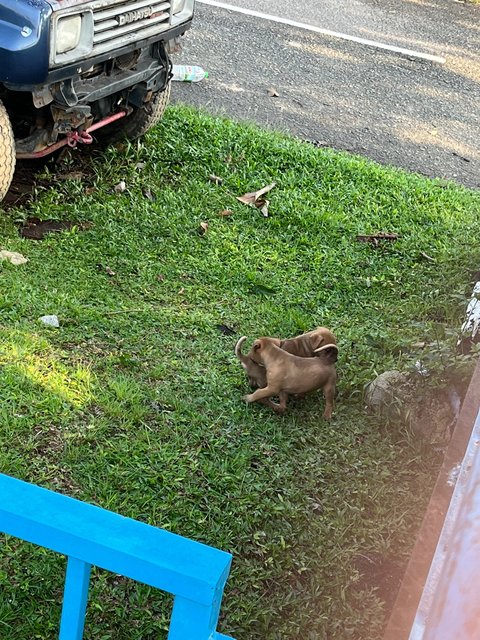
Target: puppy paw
(278, 409)
(247, 398)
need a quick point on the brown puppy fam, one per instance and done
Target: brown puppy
(308, 343)
(288, 374)
(304, 345)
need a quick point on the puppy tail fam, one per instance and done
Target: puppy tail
(328, 353)
(238, 349)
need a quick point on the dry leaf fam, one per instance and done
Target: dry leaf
(225, 213)
(13, 257)
(264, 207)
(72, 175)
(215, 179)
(225, 329)
(107, 270)
(89, 191)
(182, 290)
(149, 195)
(161, 277)
(202, 229)
(419, 345)
(317, 143)
(272, 93)
(251, 198)
(375, 238)
(120, 187)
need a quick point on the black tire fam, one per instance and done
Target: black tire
(7, 152)
(139, 122)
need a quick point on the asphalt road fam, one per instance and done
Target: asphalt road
(414, 114)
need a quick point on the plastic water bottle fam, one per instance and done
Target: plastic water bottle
(188, 73)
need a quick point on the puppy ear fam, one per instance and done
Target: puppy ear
(328, 353)
(257, 345)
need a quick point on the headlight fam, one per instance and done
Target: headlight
(71, 36)
(182, 10)
(68, 33)
(178, 6)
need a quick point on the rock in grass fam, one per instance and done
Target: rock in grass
(388, 394)
(429, 412)
(13, 257)
(51, 321)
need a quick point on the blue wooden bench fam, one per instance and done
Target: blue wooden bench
(193, 572)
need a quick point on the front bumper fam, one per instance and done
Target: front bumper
(151, 73)
(74, 71)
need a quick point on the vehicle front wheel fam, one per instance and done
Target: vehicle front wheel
(7, 152)
(139, 121)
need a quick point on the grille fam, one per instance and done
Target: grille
(120, 23)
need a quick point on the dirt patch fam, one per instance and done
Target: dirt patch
(36, 229)
(62, 165)
(49, 448)
(22, 187)
(382, 573)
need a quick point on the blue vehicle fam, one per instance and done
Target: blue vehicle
(72, 67)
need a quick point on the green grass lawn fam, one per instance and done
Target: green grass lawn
(135, 402)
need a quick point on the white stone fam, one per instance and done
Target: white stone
(51, 321)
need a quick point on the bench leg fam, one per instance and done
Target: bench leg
(193, 621)
(75, 596)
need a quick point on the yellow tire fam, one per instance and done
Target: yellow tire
(7, 152)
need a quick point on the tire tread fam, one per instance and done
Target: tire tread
(7, 152)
